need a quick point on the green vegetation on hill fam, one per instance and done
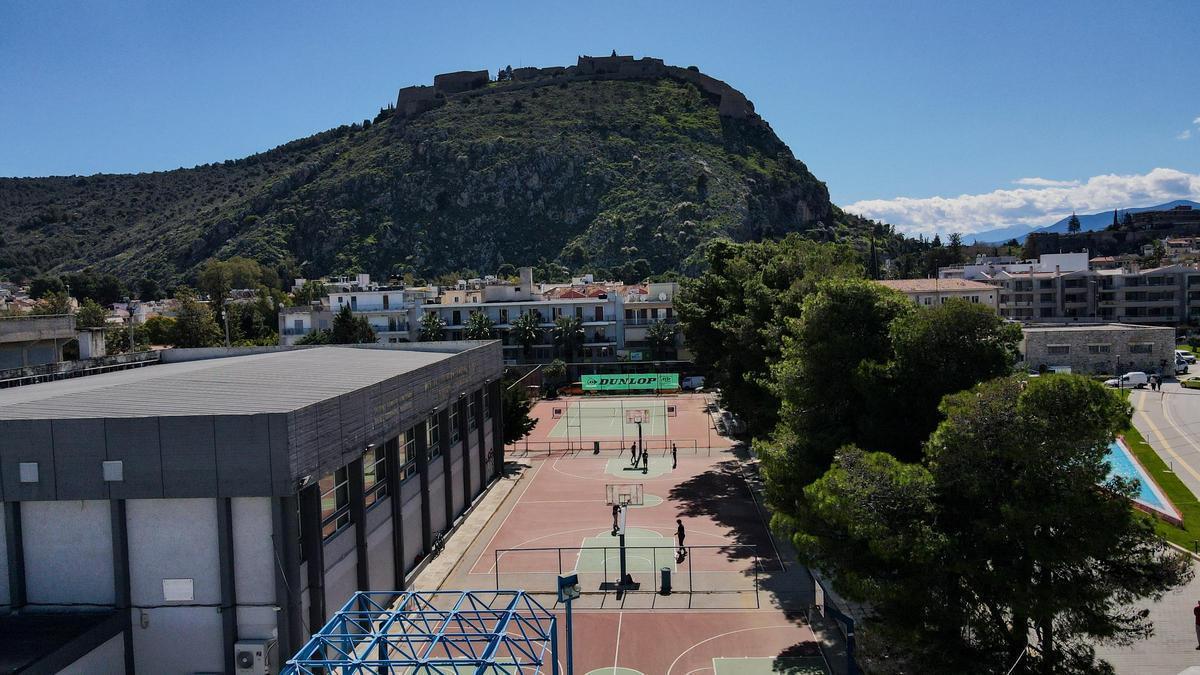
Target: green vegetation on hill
(614, 176)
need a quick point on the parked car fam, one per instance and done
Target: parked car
(1135, 379)
(693, 382)
(1188, 357)
(1181, 367)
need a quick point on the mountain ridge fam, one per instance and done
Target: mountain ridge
(1087, 223)
(586, 170)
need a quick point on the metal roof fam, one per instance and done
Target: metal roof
(275, 382)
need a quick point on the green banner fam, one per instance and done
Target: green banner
(630, 382)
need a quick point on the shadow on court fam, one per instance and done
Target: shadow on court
(721, 495)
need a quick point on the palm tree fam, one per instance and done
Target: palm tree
(527, 331)
(480, 327)
(432, 328)
(568, 334)
(661, 336)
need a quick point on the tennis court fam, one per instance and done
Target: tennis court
(733, 606)
(612, 423)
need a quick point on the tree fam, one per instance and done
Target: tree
(734, 314)
(526, 329)
(42, 286)
(1127, 221)
(158, 329)
(52, 303)
(568, 334)
(1116, 225)
(1073, 224)
(315, 337)
(432, 329)
(90, 315)
(999, 538)
(514, 410)
(308, 292)
(1030, 250)
(103, 288)
(349, 329)
(480, 327)
(148, 290)
(195, 325)
(661, 336)
(116, 340)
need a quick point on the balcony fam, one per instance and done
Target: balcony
(648, 321)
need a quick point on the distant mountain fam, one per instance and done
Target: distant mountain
(1087, 223)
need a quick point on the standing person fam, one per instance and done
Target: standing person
(674, 456)
(1196, 611)
(645, 461)
(633, 454)
(616, 516)
(679, 534)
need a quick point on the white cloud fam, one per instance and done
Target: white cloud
(1045, 182)
(1034, 206)
(1196, 121)
(1184, 135)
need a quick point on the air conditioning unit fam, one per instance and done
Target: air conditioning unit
(250, 657)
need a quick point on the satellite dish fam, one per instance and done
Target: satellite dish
(662, 295)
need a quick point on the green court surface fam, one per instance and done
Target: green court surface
(593, 554)
(768, 665)
(607, 421)
(620, 466)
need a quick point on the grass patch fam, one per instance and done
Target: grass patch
(1176, 491)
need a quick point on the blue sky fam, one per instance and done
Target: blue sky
(926, 114)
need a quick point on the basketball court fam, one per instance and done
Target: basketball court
(725, 603)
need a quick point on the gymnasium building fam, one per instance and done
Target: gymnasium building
(209, 512)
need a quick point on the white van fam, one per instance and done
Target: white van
(692, 382)
(1135, 379)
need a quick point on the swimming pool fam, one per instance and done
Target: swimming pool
(1123, 464)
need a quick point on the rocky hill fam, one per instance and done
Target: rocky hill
(585, 167)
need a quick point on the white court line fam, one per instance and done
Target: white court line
(617, 650)
(536, 473)
(721, 635)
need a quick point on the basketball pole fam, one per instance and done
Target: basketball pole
(621, 544)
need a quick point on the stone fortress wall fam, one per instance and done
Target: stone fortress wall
(412, 101)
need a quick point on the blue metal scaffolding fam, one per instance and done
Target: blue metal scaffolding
(419, 632)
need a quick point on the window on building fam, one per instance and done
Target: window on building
(928, 301)
(433, 437)
(1098, 349)
(386, 303)
(579, 313)
(504, 315)
(408, 454)
(453, 422)
(353, 302)
(374, 475)
(1141, 348)
(629, 315)
(1058, 349)
(472, 410)
(975, 299)
(335, 502)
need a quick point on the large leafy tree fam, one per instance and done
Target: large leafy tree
(568, 334)
(999, 539)
(526, 329)
(53, 302)
(480, 327)
(734, 315)
(195, 325)
(90, 315)
(432, 328)
(661, 336)
(514, 409)
(349, 329)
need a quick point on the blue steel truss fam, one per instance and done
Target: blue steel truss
(420, 632)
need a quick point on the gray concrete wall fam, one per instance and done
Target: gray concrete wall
(411, 527)
(175, 539)
(437, 497)
(379, 546)
(254, 568)
(107, 659)
(68, 552)
(341, 571)
(1036, 345)
(456, 478)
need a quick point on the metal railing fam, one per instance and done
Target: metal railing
(547, 562)
(574, 447)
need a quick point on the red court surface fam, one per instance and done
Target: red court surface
(735, 606)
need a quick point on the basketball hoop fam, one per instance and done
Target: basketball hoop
(635, 416)
(624, 494)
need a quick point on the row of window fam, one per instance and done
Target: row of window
(1134, 348)
(335, 487)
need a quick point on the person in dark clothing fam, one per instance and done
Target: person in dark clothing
(1196, 611)
(633, 454)
(679, 534)
(616, 516)
(674, 456)
(645, 461)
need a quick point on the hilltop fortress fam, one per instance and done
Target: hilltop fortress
(415, 100)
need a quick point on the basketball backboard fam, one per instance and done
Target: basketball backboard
(624, 494)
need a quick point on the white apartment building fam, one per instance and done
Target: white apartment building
(928, 292)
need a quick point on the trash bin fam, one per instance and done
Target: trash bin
(665, 584)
